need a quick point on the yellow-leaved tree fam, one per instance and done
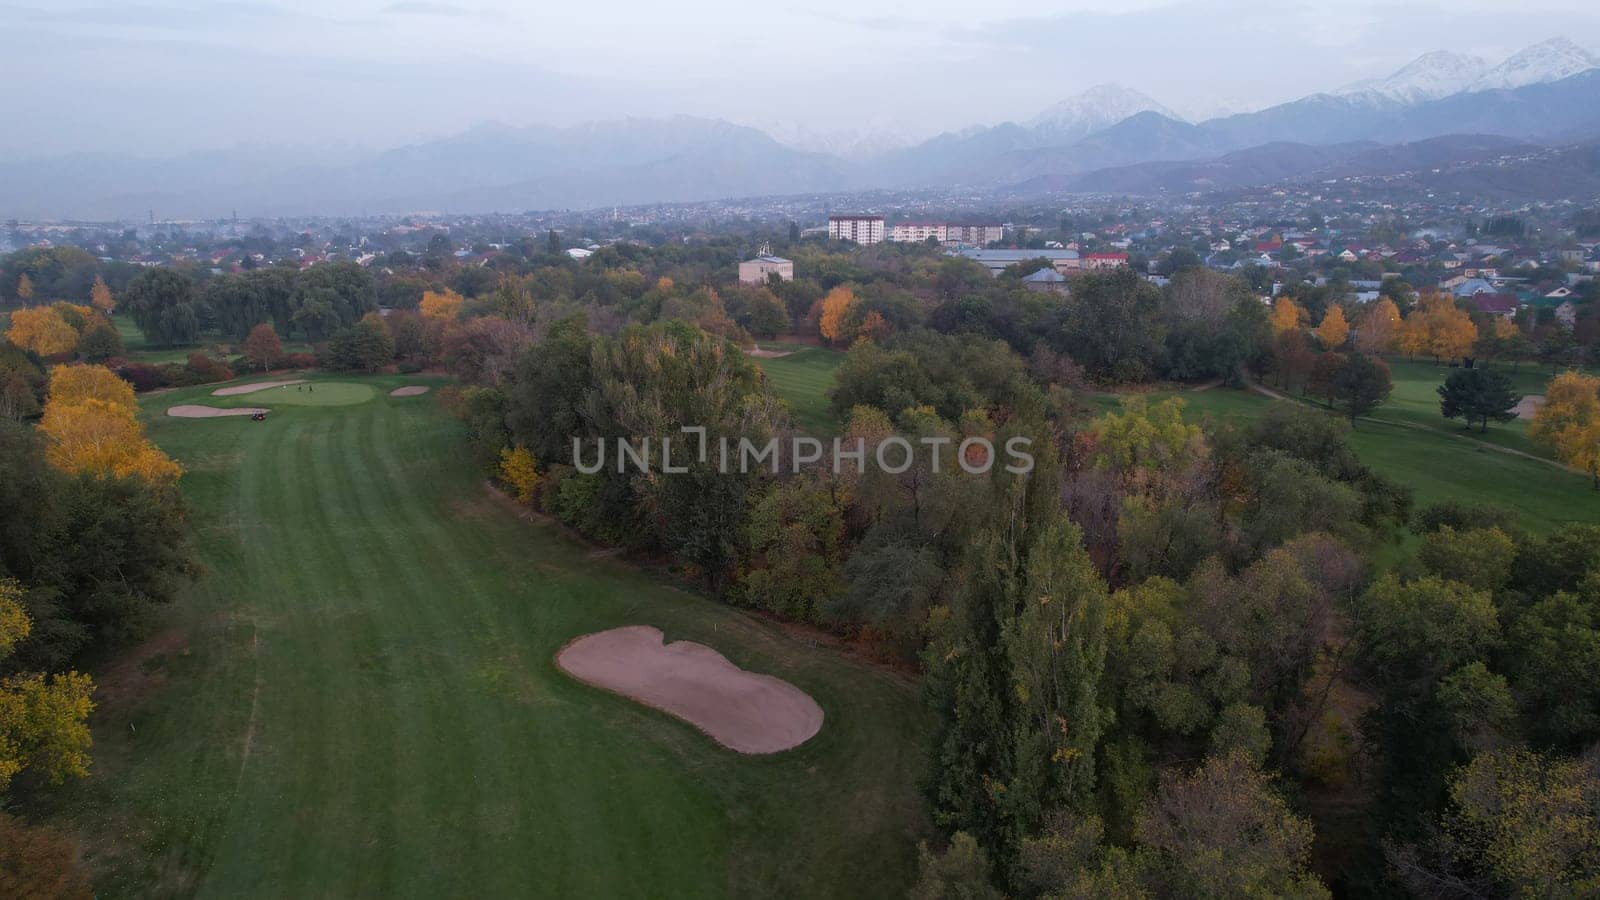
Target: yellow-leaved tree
(1286, 315)
(1438, 328)
(42, 330)
(519, 469)
(75, 384)
(24, 289)
(437, 305)
(100, 296)
(1334, 329)
(835, 316)
(43, 720)
(1569, 422)
(92, 424)
(1379, 329)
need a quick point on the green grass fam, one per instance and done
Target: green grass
(1438, 464)
(139, 350)
(803, 379)
(358, 699)
(318, 393)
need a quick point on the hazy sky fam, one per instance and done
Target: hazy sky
(158, 77)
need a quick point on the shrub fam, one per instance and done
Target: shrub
(144, 377)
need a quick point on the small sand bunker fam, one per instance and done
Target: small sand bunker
(410, 390)
(1528, 406)
(760, 353)
(252, 388)
(195, 411)
(744, 711)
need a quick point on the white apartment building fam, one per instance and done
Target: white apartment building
(862, 229)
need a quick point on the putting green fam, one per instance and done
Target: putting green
(321, 393)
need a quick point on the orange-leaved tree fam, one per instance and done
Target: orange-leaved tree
(93, 427)
(1379, 328)
(1438, 327)
(437, 305)
(1569, 422)
(833, 323)
(100, 296)
(262, 347)
(42, 330)
(74, 384)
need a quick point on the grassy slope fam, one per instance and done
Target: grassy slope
(1437, 465)
(359, 699)
(803, 379)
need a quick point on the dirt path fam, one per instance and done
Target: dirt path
(252, 388)
(744, 711)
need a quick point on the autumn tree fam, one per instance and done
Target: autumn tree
(100, 296)
(520, 470)
(24, 289)
(1478, 394)
(441, 305)
(1334, 329)
(43, 719)
(262, 347)
(40, 862)
(1286, 315)
(1379, 328)
(74, 384)
(834, 320)
(1223, 831)
(1520, 824)
(91, 421)
(42, 330)
(1569, 422)
(1438, 327)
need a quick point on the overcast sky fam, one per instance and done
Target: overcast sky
(158, 77)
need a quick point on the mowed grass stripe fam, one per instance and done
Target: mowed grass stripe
(412, 737)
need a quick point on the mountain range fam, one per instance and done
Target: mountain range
(1107, 138)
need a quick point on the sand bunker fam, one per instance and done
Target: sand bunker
(743, 711)
(195, 411)
(760, 353)
(252, 388)
(410, 390)
(1529, 405)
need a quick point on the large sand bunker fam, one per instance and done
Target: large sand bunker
(410, 390)
(1528, 406)
(252, 388)
(195, 411)
(744, 711)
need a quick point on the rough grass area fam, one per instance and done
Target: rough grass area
(803, 379)
(359, 699)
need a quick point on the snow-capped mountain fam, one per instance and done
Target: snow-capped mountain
(1551, 60)
(1428, 77)
(1095, 109)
